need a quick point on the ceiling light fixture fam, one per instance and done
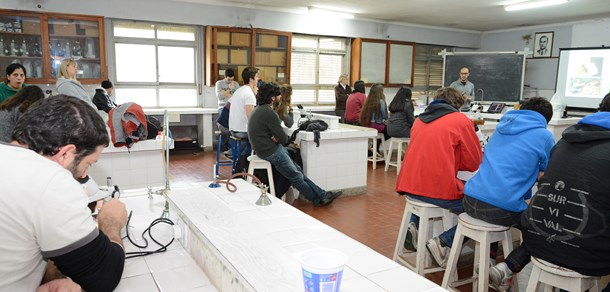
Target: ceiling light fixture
(329, 13)
(534, 4)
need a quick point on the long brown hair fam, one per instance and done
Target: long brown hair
(23, 99)
(372, 104)
(283, 105)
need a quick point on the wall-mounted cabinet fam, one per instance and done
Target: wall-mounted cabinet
(40, 41)
(390, 63)
(239, 48)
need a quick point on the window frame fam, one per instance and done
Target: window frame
(317, 87)
(196, 45)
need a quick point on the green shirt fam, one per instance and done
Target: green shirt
(263, 124)
(7, 91)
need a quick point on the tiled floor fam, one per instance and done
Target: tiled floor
(373, 218)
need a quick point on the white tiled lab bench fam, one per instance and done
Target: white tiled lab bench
(340, 162)
(244, 247)
(171, 271)
(140, 166)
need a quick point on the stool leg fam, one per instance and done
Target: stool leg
(424, 231)
(218, 148)
(454, 254)
(271, 183)
(375, 153)
(483, 278)
(402, 233)
(388, 158)
(532, 284)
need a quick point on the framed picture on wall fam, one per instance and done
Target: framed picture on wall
(543, 44)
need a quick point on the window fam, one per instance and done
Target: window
(316, 63)
(156, 65)
(428, 73)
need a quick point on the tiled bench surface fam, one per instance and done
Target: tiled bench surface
(174, 270)
(245, 247)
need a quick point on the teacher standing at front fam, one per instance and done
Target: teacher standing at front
(465, 87)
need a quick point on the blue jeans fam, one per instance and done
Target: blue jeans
(455, 206)
(291, 171)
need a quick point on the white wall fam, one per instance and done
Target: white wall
(189, 13)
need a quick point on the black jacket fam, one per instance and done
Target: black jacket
(568, 220)
(102, 101)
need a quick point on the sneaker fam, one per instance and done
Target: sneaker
(439, 253)
(329, 197)
(227, 153)
(499, 277)
(492, 262)
(411, 239)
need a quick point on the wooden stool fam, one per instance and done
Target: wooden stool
(399, 150)
(555, 276)
(427, 213)
(219, 162)
(374, 157)
(484, 234)
(258, 163)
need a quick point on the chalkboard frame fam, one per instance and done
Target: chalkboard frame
(490, 84)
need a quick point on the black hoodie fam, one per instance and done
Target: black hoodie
(568, 220)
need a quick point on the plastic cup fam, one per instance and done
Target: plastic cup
(322, 269)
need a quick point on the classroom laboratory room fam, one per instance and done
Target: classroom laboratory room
(363, 146)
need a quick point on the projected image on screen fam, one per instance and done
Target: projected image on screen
(583, 76)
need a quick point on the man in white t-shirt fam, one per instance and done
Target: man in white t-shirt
(43, 209)
(242, 104)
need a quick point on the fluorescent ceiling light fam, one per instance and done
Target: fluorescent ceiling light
(329, 13)
(534, 4)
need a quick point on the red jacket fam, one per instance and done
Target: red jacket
(353, 106)
(443, 141)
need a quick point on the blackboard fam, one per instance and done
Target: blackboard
(498, 75)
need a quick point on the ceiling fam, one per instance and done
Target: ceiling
(476, 15)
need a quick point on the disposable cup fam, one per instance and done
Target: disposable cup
(322, 269)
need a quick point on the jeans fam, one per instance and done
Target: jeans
(455, 206)
(293, 172)
(494, 215)
(490, 213)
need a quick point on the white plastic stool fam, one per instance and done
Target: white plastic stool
(400, 142)
(555, 276)
(374, 157)
(484, 234)
(258, 163)
(427, 213)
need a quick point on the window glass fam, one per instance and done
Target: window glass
(146, 97)
(176, 64)
(135, 63)
(134, 29)
(316, 63)
(173, 97)
(178, 33)
(156, 65)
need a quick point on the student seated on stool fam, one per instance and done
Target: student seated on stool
(514, 158)
(242, 104)
(567, 222)
(443, 142)
(267, 137)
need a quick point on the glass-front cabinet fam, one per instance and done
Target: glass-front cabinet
(21, 42)
(76, 39)
(40, 41)
(238, 48)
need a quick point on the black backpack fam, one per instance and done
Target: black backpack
(315, 126)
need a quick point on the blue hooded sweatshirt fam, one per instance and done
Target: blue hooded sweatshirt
(517, 151)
